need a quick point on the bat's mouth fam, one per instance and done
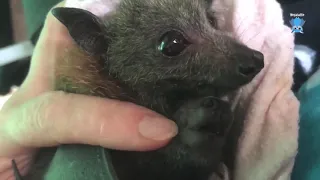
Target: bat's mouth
(177, 92)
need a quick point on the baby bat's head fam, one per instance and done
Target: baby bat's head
(153, 41)
(167, 52)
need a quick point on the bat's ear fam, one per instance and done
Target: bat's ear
(85, 28)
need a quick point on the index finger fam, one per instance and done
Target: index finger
(56, 118)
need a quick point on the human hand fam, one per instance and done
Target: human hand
(37, 116)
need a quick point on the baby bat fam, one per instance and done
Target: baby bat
(171, 57)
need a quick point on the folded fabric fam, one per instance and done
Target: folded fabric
(268, 144)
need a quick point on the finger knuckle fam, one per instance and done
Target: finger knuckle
(48, 107)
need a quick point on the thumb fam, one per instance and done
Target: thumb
(58, 118)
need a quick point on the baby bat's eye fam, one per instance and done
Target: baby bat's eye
(213, 22)
(172, 43)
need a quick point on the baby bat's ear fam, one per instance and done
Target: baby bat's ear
(85, 28)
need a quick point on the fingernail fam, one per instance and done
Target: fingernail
(157, 128)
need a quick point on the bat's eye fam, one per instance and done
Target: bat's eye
(172, 43)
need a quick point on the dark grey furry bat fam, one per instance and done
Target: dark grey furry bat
(171, 57)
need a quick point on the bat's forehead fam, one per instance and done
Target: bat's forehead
(173, 4)
(185, 14)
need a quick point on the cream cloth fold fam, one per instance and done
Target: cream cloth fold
(269, 143)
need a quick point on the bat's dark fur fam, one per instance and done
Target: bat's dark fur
(122, 60)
